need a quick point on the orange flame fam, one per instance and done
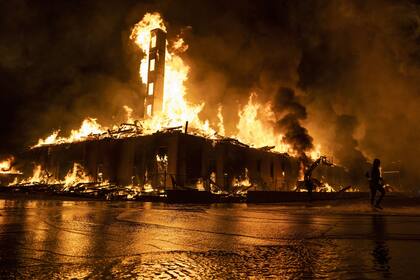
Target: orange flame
(176, 110)
(76, 175)
(255, 126)
(7, 168)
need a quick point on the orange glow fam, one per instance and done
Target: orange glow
(89, 128)
(76, 175)
(176, 109)
(39, 176)
(7, 168)
(256, 121)
(255, 126)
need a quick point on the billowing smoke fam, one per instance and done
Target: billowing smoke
(346, 148)
(292, 113)
(355, 65)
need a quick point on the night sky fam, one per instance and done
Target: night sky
(351, 68)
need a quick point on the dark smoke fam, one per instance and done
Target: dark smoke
(355, 65)
(285, 101)
(346, 148)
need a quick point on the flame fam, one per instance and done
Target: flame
(39, 176)
(255, 126)
(89, 127)
(301, 174)
(141, 36)
(199, 185)
(220, 124)
(76, 175)
(176, 110)
(51, 139)
(129, 114)
(315, 153)
(242, 182)
(326, 188)
(6, 166)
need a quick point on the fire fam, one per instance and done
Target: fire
(141, 36)
(90, 127)
(76, 175)
(176, 110)
(316, 152)
(255, 126)
(242, 182)
(51, 139)
(326, 188)
(39, 176)
(6, 166)
(220, 124)
(129, 114)
(199, 185)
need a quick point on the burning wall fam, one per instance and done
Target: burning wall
(174, 160)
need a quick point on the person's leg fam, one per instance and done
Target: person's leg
(372, 195)
(382, 191)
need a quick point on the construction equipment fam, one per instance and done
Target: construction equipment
(308, 182)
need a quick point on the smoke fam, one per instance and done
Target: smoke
(346, 148)
(354, 68)
(286, 103)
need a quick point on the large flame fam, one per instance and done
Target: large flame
(176, 110)
(255, 126)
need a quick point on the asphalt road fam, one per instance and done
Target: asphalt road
(56, 239)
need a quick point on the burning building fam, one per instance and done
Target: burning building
(171, 148)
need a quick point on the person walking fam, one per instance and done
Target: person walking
(376, 183)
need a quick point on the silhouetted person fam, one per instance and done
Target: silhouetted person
(376, 183)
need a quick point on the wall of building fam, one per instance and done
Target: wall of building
(176, 160)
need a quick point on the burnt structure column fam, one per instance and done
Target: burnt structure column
(153, 102)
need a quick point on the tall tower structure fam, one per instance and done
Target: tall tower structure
(153, 102)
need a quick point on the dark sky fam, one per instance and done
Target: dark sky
(353, 65)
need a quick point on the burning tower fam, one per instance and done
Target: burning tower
(153, 102)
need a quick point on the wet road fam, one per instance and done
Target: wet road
(54, 239)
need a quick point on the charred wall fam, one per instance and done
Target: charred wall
(175, 160)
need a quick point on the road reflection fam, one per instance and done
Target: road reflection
(380, 253)
(74, 239)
